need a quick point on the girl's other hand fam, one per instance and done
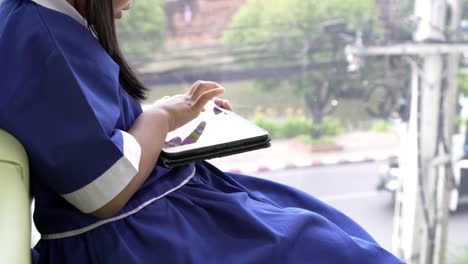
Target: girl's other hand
(182, 108)
(223, 103)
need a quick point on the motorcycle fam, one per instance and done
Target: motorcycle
(389, 174)
(388, 178)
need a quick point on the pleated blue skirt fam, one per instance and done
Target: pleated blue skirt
(224, 218)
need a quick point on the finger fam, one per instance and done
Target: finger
(129, 5)
(194, 86)
(176, 141)
(222, 103)
(227, 105)
(207, 96)
(204, 87)
(118, 15)
(219, 102)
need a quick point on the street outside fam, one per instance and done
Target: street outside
(360, 146)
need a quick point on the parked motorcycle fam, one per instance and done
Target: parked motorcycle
(389, 175)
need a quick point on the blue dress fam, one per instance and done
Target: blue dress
(60, 96)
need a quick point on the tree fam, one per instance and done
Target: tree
(463, 81)
(303, 32)
(141, 30)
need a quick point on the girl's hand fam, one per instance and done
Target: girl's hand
(223, 103)
(182, 108)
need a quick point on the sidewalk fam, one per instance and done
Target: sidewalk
(291, 153)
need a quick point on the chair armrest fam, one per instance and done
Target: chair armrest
(15, 219)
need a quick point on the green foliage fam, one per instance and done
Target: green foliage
(292, 33)
(463, 81)
(265, 85)
(269, 124)
(141, 30)
(461, 258)
(460, 121)
(405, 7)
(380, 126)
(307, 139)
(331, 126)
(264, 20)
(295, 125)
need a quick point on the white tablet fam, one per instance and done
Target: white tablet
(216, 132)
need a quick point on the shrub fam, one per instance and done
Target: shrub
(295, 125)
(380, 126)
(331, 126)
(307, 139)
(270, 125)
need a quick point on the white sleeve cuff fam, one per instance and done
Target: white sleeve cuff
(107, 186)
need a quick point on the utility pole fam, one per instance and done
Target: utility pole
(421, 212)
(415, 221)
(422, 215)
(449, 109)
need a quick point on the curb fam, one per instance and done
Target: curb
(327, 162)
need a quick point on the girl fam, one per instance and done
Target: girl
(69, 96)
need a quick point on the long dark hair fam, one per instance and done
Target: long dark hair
(100, 17)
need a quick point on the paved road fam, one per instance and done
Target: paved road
(350, 188)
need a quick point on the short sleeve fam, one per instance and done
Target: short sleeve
(68, 126)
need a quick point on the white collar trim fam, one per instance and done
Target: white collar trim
(64, 7)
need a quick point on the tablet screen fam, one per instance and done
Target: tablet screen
(215, 126)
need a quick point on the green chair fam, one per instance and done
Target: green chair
(15, 212)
